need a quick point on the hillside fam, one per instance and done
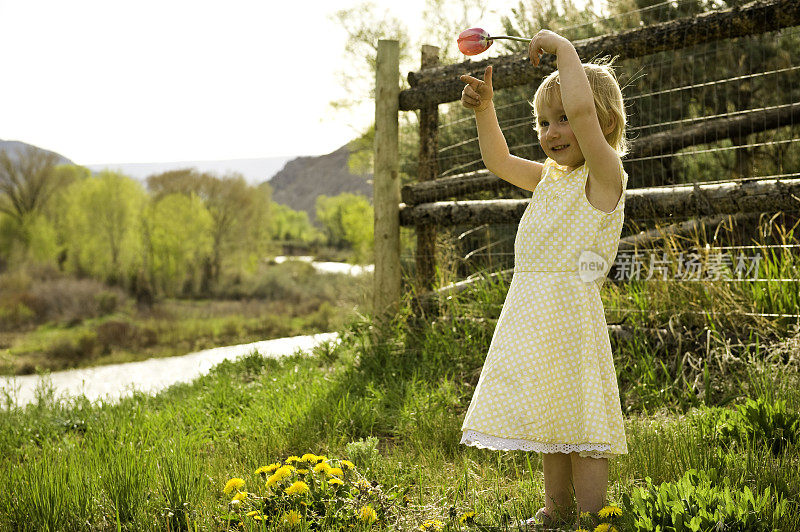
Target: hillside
(303, 179)
(14, 147)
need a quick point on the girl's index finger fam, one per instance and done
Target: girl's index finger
(473, 82)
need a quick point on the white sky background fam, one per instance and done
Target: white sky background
(109, 81)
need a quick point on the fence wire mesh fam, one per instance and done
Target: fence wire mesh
(740, 96)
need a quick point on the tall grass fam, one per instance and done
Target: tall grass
(155, 463)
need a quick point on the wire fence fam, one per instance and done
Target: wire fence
(739, 93)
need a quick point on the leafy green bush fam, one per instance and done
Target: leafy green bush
(756, 422)
(760, 421)
(698, 502)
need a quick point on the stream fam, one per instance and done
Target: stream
(112, 382)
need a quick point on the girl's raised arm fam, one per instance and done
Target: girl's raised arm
(477, 95)
(578, 101)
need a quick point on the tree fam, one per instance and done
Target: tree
(289, 224)
(364, 27)
(240, 215)
(27, 181)
(176, 231)
(101, 230)
(348, 220)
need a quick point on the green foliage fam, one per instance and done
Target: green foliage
(177, 239)
(701, 501)
(101, 229)
(289, 224)
(763, 423)
(348, 219)
(755, 423)
(27, 239)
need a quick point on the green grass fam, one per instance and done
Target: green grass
(159, 463)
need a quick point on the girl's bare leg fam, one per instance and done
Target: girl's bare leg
(590, 476)
(557, 468)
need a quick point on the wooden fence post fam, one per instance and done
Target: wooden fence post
(386, 181)
(428, 169)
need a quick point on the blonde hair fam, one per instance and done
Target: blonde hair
(607, 100)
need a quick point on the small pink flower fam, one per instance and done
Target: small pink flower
(474, 41)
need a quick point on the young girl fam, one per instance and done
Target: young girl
(548, 383)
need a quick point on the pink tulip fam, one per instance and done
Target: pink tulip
(476, 40)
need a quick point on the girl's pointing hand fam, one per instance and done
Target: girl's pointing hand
(477, 94)
(545, 41)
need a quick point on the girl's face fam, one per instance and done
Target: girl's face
(556, 136)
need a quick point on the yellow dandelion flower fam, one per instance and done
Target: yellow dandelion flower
(322, 458)
(605, 527)
(292, 518)
(431, 524)
(303, 471)
(309, 458)
(252, 514)
(347, 464)
(233, 484)
(297, 488)
(609, 511)
(284, 471)
(259, 517)
(266, 470)
(335, 482)
(240, 496)
(336, 471)
(367, 514)
(274, 479)
(322, 467)
(292, 459)
(468, 517)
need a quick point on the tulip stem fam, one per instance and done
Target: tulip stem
(513, 38)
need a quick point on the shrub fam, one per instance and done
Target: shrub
(700, 501)
(69, 351)
(754, 422)
(114, 332)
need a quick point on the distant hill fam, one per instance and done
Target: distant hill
(14, 147)
(303, 179)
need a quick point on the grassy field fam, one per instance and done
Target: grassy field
(50, 322)
(712, 428)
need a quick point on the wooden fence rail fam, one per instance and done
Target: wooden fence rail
(441, 85)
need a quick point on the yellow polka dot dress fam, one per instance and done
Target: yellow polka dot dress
(548, 383)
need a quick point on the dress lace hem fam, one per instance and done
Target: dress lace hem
(495, 443)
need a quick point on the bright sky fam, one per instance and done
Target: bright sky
(135, 81)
